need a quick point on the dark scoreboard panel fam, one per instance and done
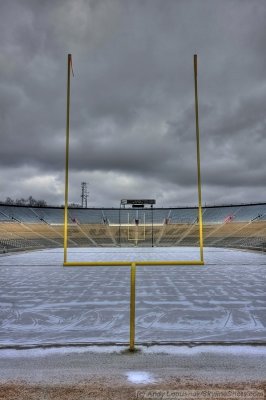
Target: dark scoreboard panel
(138, 202)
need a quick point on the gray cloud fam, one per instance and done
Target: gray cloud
(132, 110)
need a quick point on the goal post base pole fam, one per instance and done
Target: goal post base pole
(132, 306)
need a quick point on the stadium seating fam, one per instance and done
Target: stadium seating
(240, 226)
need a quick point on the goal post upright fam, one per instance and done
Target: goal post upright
(198, 156)
(69, 61)
(135, 262)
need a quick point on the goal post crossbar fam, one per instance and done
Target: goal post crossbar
(137, 262)
(129, 263)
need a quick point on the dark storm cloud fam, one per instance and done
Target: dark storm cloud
(132, 111)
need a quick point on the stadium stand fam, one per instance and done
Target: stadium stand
(22, 214)
(218, 215)
(187, 216)
(234, 226)
(251, 212)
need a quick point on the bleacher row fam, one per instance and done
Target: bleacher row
(241, 226)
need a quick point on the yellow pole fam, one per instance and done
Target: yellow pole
(198, 156)
(132, 306)
(67, 158)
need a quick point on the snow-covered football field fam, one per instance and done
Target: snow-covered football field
(42, 302)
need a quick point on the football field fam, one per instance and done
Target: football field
(44, 303)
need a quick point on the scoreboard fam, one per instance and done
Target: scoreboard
(137, 202)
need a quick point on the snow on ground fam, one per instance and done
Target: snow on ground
(140, 377)
(180, 350)
(43, 303)
(174, 366)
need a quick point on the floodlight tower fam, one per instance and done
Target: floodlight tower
(84, 195)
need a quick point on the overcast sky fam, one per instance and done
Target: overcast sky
(132, 106)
